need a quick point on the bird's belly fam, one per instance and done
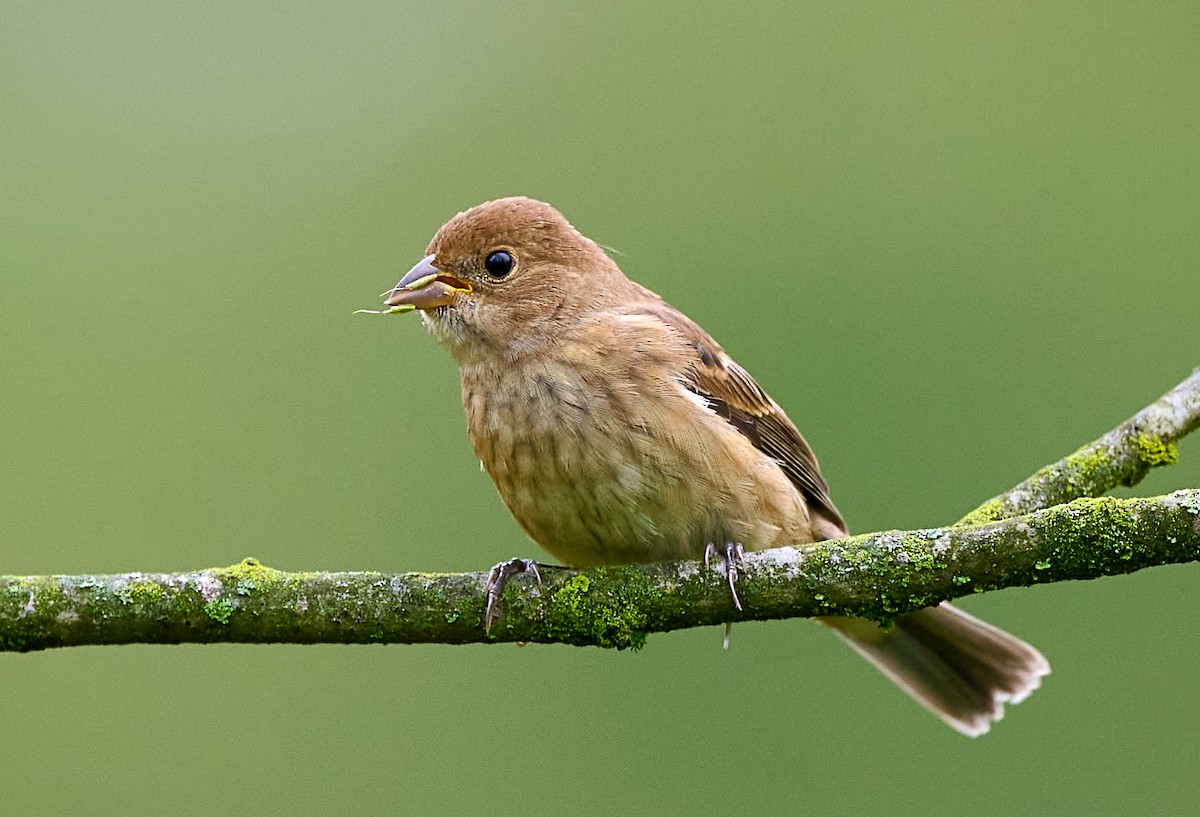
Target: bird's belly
(595, 479)
(590, 503)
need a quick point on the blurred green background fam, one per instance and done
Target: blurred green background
(955, 241)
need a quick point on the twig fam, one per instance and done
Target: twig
(1123, 456)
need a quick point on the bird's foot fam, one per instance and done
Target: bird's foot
(731, 557)
(497, 578)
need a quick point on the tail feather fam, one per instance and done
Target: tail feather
(960, 668)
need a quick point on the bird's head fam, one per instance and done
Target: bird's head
(506, 276)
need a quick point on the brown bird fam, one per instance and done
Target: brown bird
(617, 431)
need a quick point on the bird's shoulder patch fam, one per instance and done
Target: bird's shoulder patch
(638, 320)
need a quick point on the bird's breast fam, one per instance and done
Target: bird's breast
(603, 465)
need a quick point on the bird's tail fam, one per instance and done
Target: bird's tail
(958, 667)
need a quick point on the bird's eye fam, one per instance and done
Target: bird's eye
(499, 263)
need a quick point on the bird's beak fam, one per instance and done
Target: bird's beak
(427, 287)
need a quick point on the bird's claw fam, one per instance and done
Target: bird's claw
(497, 578)
(731, 556)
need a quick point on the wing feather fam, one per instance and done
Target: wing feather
(733, 394)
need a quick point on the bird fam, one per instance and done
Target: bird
(618, 431)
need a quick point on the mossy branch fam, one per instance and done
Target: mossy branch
(1123, 456)
(877, 575)
(1014, 540)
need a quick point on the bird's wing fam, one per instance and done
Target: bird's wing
(732, 393)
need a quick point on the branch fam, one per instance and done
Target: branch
(1123, 456)
(877, 576)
